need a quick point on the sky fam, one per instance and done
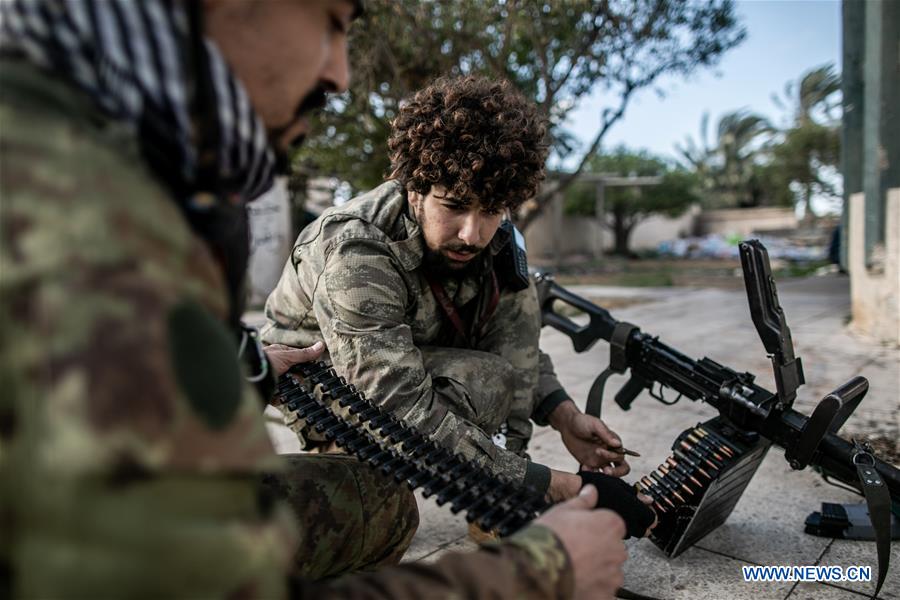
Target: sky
(784, 39)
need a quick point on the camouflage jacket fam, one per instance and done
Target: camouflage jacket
(130, 444)
(355, 279)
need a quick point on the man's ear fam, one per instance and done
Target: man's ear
(415, 199)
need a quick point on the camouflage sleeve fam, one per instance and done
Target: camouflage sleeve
(130, 447)
(530, 565)
(360, 304)
(515, 335)
(549, 393)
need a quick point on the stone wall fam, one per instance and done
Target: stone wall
(875, 287)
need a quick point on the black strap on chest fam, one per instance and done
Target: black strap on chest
(452, 313)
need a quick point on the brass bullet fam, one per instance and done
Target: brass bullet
(707, 445)
(623, 450)
(668, 486)
(696, 453)
(683, 471)
(720, 439)
(692, 462)
(650, 484)
(679, 479)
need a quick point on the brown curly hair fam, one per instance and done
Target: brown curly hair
(480, 139)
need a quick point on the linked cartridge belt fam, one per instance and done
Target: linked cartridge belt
(386, 443)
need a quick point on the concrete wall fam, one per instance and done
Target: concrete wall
(656, 229)
(875, 287)
(744, 221)
(585, 237)
(580, 235)
(270, 241)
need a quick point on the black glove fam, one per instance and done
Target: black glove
(619, 497)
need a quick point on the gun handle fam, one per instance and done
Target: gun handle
(834, 409)
(634, 386)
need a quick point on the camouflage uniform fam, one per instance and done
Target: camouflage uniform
(131, 447)
(356, 280)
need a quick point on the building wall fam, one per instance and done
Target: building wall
(744, 221)
(870, 88)
(270, 241)
(583, 236)
(875, 292)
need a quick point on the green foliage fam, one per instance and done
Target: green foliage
(555, 52)
(731, 170)
(752, 163)
(812, 144)
(625, 206)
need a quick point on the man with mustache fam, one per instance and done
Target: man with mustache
(405, 287)
(131, 441)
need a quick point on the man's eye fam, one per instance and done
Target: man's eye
(455, 207)
(338, 25)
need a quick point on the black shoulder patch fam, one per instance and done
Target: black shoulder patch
(204, 356)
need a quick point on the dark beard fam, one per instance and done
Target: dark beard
(314, 100)
(440, 265)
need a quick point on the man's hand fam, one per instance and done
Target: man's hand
(563, 486)
(589, 440)
(593, 539)
(281, 357)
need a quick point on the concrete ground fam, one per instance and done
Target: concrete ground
(766, 527)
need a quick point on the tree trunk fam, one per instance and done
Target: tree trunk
(621, 232)
(809, 217)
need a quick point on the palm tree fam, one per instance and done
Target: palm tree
(816, 91)
(728, 169)
(813, 140)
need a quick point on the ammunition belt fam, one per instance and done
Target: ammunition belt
(397, 450)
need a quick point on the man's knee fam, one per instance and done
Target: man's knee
(477, 385)
(350, 516)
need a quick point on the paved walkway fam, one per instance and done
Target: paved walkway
(766, 527)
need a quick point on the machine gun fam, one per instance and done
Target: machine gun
(751, 418)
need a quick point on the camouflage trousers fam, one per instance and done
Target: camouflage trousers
(477, 386)
(351, 518)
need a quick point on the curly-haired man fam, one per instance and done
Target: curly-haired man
(402, 285)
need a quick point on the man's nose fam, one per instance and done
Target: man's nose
(335, 73)
(470, 230)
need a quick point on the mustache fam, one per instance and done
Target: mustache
(314, 100)
(463, 248)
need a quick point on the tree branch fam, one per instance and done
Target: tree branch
(581, 51)
(609, 118)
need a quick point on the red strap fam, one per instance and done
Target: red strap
(492, 305)
(450, 309)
